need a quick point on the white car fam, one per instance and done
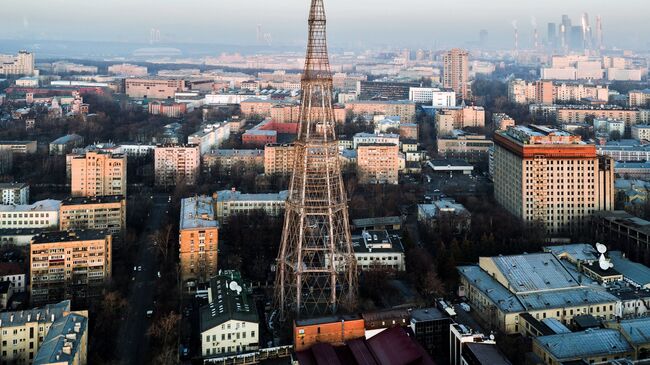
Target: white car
(139, 268)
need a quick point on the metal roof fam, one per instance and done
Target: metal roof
(497, 293)
(534, 272)
(576, 252)
(637, 330)
(66, 332)
(635, 272)
(589, 343)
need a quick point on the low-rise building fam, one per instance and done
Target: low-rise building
(445, 212)
(231, 202)
(65, 144)
(431, 329)
(167, 108)
(335, 330)
(66, 342)
(378, 249)
(229, 322)
(23, 332)
(69, 265)
(94, 213)
(198, 239)
(464, 145)
(590, 346)
(22, 147)
(153, 88)
(14, 193)
(641, 132)
(41, 214)
(625, 150)
(14, 274)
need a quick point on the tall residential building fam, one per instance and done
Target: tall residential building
(98, 174)
(552, 177)
(20, 64)
(198, 239)
(174, 164)
(97, 213)
(378, 163)
(22, 332)
(456, 72)
(14, 193)
(69, 265)
(279, 158)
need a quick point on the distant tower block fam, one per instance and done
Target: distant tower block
(316, 268)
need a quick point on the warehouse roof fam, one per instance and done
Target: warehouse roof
(589, 343)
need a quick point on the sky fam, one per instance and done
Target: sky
(351, 23)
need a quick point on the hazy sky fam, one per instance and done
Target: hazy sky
(409, 23)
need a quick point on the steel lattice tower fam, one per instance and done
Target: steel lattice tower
(316, 267)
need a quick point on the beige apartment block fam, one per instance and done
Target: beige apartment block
(378, 163)
(98, 174)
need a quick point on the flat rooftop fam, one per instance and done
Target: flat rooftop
(69, 236)
(198, 212)
(79, 200)
(229, 195)
(41, 205)
(589, 343)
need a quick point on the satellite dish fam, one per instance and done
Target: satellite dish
(601, 248)
(233, 286)
(604, 263)
(491, 337)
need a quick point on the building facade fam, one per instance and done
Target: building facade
(378, 163)
(20, 64)
(14, 193)
(153, 88)
(98, 174)
(455, 72)
(198, 239)
(278, 158)
(551, 177)
(231, 202)
(175, 164)
(41, 214)
(69, 265)
(106, 213)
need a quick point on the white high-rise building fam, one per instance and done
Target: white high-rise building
(20, 64)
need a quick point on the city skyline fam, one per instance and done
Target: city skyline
(381, 23)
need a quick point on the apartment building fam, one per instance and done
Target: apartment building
(229, 322)
(22, 332)
(153, 88)
(550, 176)
(226, 160)
(455, 72)
(41, 214)
(175, 164)
(210, 136)
(639, 98)
(433, 96)
(231, 202)
(502, 121)
(20, 64)
(373, 138)
(14, 193)
(279, 158)
(549, 92)
(66, 342)
(404, 109)
(98, 174)
(126, 69)
(69, 265)
(448, 119)
(96, 213)
(198, 239)
(459, 144)
(378, 163)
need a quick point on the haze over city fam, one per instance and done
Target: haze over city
(353, 24)
(324, 182)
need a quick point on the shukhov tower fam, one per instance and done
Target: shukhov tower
(316, 267)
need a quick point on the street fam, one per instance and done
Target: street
(133, 341)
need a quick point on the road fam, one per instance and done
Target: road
(133, 341)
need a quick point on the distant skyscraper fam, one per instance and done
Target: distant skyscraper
(483, 37)
(551, 35)
(599, 33)
(576, 38)
(456, 72)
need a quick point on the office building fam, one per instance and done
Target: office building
(106, 213)
(98, 174)
(20, 64)
(552, 177)
(378, 90)
(378, 249)
(232, 202)
(153, 88)
(14, 193)
(198, 239)
(595, 345)
(433, 96)
(625, 232)
(69, 265)
(229, 322)
(378, 163)
(40, 214)
(176, 164)
(431, 329)
(456, 72)
(459, 144)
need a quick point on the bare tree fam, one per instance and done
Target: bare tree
(164, 328)
(161, 241)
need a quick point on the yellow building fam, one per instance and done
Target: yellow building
(97, 174)
(69, 265)
(101, 212)
(455, 72)
(22, 332)
(278, 158)
(378, 163)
